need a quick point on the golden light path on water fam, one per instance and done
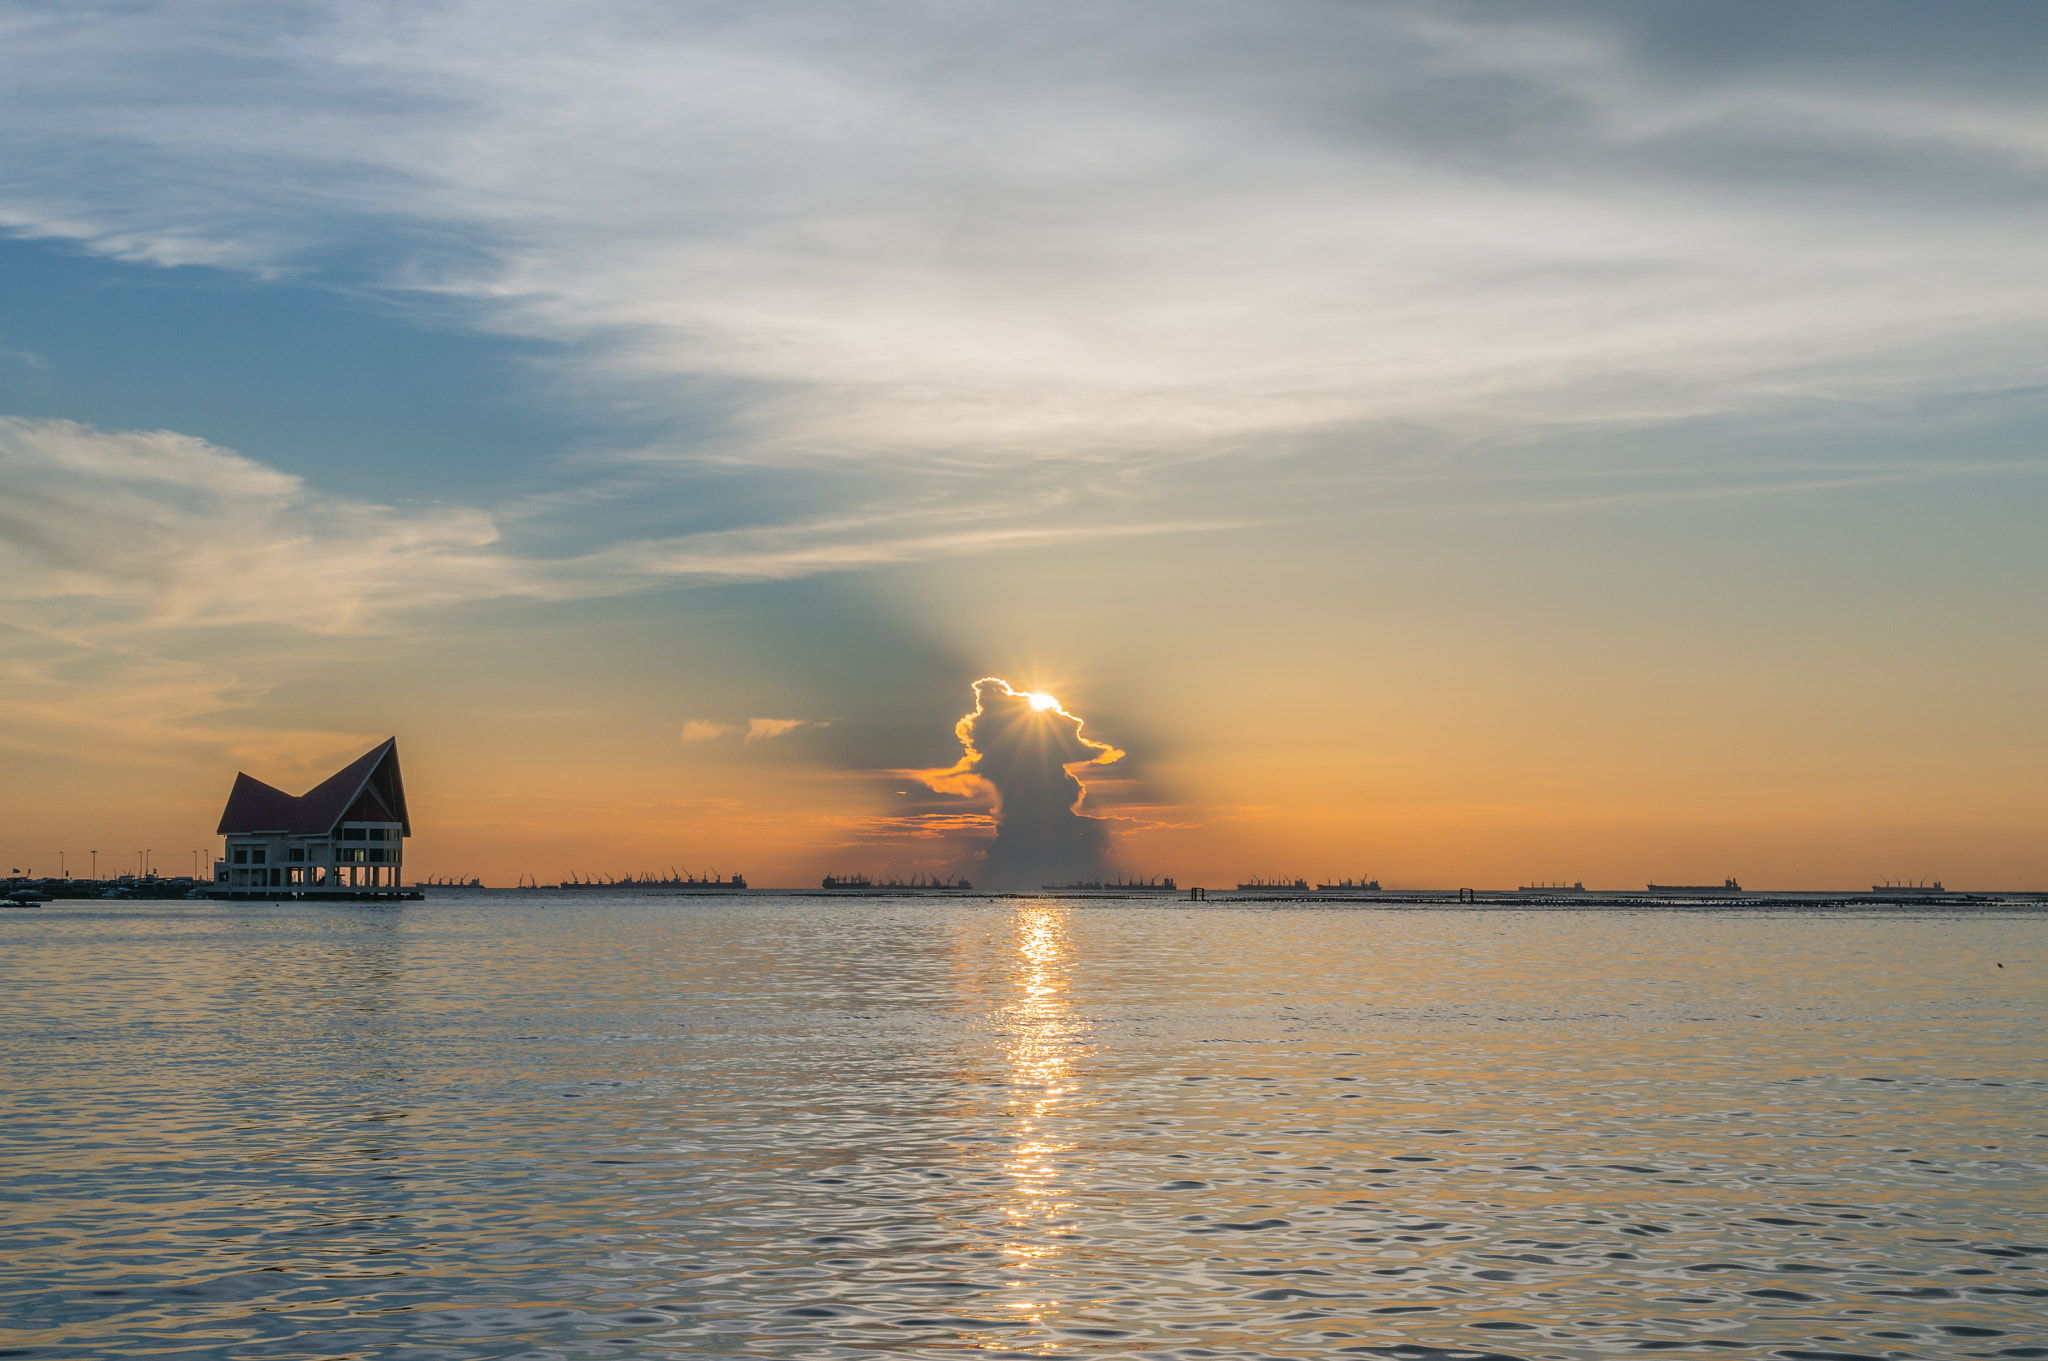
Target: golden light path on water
(1041, 1027)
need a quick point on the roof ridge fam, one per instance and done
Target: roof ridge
(254, 806)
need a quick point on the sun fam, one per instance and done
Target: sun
(1040, 700)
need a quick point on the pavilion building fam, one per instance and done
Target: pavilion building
(343, 837)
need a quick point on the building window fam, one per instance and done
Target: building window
(296, 854)
(352, 834)
(241, 855)
(256, 855)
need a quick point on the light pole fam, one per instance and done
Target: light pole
(95, 867)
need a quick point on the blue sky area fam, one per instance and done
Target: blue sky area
(363, 399)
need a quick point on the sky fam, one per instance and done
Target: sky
(1451, 444)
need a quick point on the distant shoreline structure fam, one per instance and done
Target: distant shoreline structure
(685, 881)
(1163, 885)
(917, 883)
(31, 890)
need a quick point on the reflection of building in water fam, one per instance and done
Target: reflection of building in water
(344, 835)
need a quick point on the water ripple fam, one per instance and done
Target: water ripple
(488, 1127)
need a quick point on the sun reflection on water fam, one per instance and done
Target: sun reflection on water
(1041, 1026)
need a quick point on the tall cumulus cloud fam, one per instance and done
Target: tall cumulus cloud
(1024, 749)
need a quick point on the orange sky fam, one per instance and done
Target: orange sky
(1486, 731)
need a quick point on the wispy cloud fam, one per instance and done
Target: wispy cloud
(704, 730)
(762, 729)
(989, 231)
(160, 528)
(65, 701)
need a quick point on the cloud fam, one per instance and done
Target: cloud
(757, 729)
(64, 701)
(875, 536)
(153, 585)
(1023, 749)
(765, 728)
(165, 528)
(886, 232)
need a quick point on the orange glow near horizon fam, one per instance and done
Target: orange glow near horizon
(1426, 777)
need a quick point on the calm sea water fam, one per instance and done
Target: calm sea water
(616, 1126)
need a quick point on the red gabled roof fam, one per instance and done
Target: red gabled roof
(371, 779)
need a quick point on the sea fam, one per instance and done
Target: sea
(595, 1125)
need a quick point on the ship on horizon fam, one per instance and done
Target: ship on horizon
(1274, 886)
(1904, 887)
(917, 883)
(684, 880)
(1725, 889)
(1350, 886)
(1163, 885)
(1573, 887)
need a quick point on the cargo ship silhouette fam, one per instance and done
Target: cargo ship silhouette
(917, 883)
(1165, 885)
(685, 880)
